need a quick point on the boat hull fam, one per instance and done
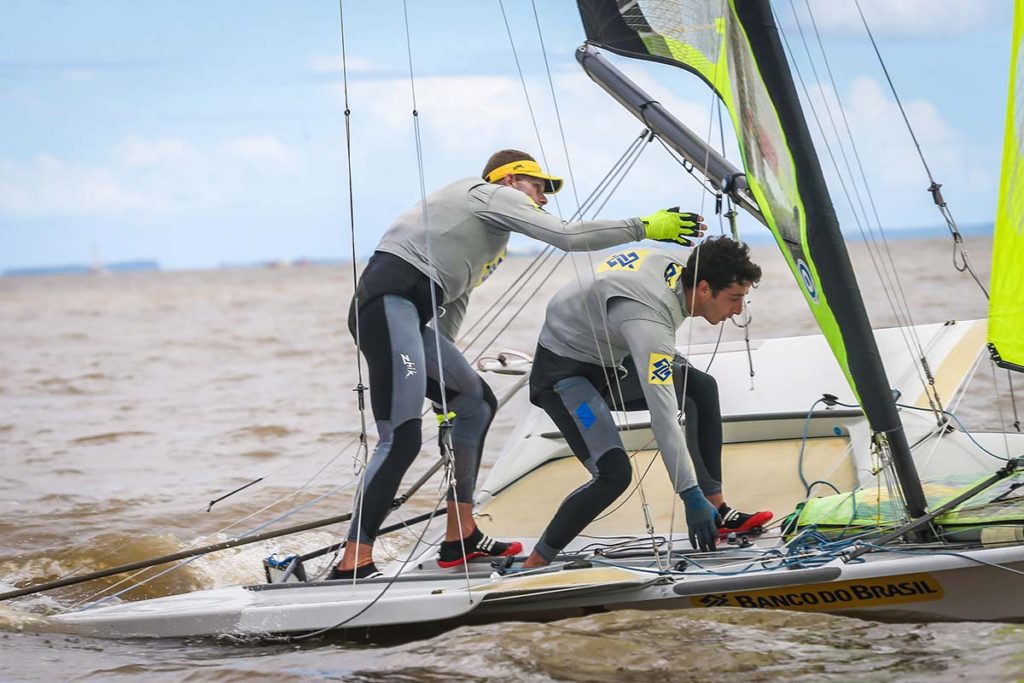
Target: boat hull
(893, 587)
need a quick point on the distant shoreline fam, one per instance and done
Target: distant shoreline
(754, 238)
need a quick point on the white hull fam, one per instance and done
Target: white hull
(761, 460)
(891, 588)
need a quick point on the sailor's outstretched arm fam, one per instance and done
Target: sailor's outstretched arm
(652, 345)
(513, 210)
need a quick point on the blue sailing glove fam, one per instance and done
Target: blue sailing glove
(669, 225)
(701, 519)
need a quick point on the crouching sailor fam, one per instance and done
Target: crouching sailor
(405, 284)
(627, 314)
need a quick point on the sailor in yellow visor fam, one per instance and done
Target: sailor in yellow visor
(512, 173)
(405, 286)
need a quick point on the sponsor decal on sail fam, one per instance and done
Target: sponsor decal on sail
(823, 597)
(807, 280)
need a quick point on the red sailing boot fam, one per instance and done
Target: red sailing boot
(736, 522)
(478, 544)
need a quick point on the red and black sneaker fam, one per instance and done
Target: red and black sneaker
(478, 544)
(736, 522)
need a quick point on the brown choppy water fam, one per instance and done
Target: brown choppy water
(128, 402)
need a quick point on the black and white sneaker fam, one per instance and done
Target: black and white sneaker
(366, 571)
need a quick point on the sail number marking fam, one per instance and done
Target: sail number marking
(824, 597)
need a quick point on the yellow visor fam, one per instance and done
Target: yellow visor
(525, 167)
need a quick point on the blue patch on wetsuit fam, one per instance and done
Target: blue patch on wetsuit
(586, 415)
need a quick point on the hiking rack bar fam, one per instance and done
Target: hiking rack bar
(181, 555)
(206, 549)
(1011, 466)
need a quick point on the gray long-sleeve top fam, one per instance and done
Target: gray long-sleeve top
(469, 223)
(632, 306)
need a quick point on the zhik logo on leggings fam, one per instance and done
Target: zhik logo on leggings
(410, 367)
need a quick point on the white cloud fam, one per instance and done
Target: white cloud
(80, 75)
(331, 64)
(262, 150)
(896, 176)
(465, 118)
(904, 17)
(155, 153)
(54, 187)
(148, 177)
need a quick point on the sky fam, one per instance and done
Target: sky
(202, 134)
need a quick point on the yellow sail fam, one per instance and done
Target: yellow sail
(1006, 305)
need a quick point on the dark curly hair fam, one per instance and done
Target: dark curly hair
(720, 261)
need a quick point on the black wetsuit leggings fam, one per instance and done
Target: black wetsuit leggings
(578, 398)
(402, 361)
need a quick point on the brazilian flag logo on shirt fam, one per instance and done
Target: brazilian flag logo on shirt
(672, 273)
(659, 369)
(626, 260)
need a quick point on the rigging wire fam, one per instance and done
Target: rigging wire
(618, 169)
(887, 270)
(526, 96)
(361, 458)
(579, 211)
(689, 306)
(360, 387)
(116, 550)
(626, 167)
(423, 203)
(959, 248)
(568, 159)
(540, 143)
(934, 187)
(387, 585)
(93, 602)
(948, 414)
(609, 376)
(930, 388)
(889, 288)
(730, 215)
(445, 419)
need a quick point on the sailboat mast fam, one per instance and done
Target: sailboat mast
(817, 248)
(828, 249)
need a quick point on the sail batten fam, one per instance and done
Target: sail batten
(1006, 302)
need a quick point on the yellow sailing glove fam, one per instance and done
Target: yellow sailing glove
(669, 225)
